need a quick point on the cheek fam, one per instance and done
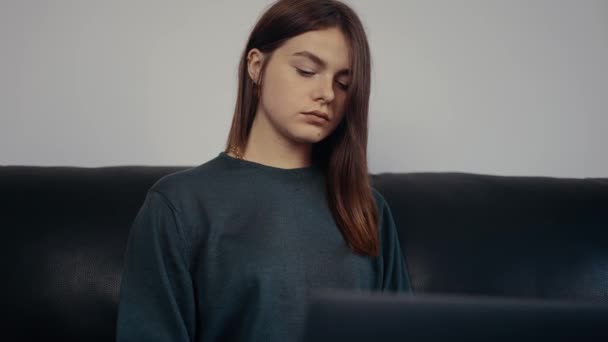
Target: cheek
(339, 107)
(337, 121)
(283, 94)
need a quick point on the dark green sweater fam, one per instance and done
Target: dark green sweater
(229, 251)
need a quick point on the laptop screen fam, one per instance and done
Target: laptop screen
(341, 315)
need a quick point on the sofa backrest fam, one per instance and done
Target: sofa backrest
(66, 228)
(534, 237)
(65, 232)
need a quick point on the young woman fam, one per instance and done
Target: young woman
(231, 249)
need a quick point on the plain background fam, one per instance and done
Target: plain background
(492, 87)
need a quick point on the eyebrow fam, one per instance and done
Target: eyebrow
(319, 61)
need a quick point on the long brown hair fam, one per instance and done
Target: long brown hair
(343, 154)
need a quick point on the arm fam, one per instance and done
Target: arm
(395, 275)
(157, 300)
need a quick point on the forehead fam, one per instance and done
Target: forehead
(330, 45)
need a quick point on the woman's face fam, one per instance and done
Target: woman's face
(309, 72)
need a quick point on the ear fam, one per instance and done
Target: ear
(255, 58)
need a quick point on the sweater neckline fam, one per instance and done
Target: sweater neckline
(300, 171)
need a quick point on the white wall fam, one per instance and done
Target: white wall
(495, 87)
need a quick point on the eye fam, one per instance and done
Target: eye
(343, 86)
(309, 74)
(305, 73)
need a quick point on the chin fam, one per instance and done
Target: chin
(309, 137)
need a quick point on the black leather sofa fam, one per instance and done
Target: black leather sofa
(65, 231)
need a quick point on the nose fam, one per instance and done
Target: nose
(325, 89)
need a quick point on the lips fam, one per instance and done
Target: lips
(319, 114)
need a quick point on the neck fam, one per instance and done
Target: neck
(266, 146)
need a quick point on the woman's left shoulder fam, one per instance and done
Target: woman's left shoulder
(380, 201)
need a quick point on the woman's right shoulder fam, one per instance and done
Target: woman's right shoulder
(186, 183)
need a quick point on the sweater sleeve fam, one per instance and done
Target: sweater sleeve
(395, 275)
(157, 301)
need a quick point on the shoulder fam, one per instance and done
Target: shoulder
(379, 198)
(385, 215)
(184, 185)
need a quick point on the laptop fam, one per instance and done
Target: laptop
(342, 315)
